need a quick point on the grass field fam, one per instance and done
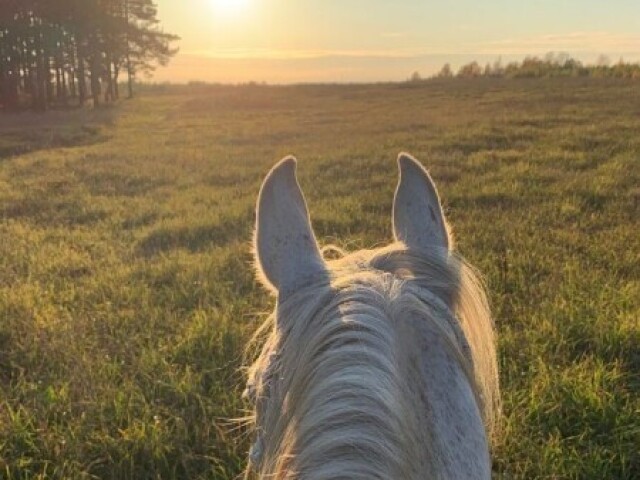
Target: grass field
(127, 293)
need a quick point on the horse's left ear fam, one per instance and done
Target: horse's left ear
(287, 254)
(418, 220)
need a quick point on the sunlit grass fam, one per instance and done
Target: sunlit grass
(127, 295)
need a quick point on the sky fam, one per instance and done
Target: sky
(292, 41)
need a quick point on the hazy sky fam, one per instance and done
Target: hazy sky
(366, 40)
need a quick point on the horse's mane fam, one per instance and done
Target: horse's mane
(329, 364)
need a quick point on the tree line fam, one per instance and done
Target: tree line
(551, 65)
(65, 52)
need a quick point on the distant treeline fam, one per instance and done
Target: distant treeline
(64, 52)
(551, 65)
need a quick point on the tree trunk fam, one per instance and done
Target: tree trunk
(48, 75)
(82, 78)
(72, 84)
(116, 74)
(40, 91)
(63, 74)
(58, 84)
(61, 79)
(128, 55)
(71, 68)
(95, 79)
(108, 92)
(4, 79)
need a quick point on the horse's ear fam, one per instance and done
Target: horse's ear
(286, 251)
(418, 220)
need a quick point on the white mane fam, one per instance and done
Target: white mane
(339, 385)
(329, 382)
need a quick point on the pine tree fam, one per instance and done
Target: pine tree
(50, 48)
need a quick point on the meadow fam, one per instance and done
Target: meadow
(127, 292)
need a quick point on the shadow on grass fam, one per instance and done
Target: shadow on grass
(501, 201)
(610, 345)
(195, 238)
(29, 132)
(115, 184)
(68, 211)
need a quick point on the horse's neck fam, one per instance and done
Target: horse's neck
(443, 412)
(388, 399)
(434, 429)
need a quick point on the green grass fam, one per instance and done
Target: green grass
(127, 293)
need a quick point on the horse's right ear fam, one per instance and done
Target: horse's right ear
(418, 220)
(287, 255)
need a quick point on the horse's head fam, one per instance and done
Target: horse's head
(352, 379)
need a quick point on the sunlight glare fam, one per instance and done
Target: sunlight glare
(229, 8)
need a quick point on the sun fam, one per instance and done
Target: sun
(229, 7)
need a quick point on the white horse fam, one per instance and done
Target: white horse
(379, 365)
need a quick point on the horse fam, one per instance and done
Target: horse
(380, 364)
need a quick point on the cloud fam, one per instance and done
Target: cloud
(290, 54)
(395, 35)
(573, 42)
